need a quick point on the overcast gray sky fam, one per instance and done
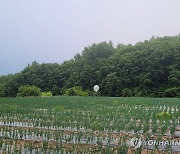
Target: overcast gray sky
(55, 30)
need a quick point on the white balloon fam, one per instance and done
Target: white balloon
(96, 88)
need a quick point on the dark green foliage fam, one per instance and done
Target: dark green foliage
(1, 90)
(27, 90)
(127, 92)
(172, 92)
(11, 87)
(45, 76)
(149, 68)
(3, 81)
(76, 91)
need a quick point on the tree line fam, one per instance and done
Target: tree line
(150, 68)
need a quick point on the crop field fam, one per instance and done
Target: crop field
(87, 124)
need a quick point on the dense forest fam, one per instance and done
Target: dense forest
(150, 68)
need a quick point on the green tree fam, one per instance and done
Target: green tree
(1, 90)
(149, 68)
(27, 90)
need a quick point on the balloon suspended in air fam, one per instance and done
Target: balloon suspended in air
(96, 88)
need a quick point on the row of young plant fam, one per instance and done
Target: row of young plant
(103, 118)
(11, 139)
(29, 148)
(95, 122)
